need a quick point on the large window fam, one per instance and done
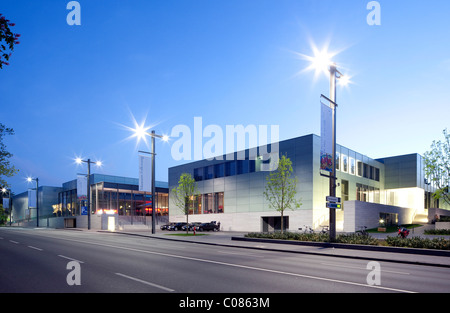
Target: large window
(338, 161)
(359, 168)
(352, 168)
(242, 167)
(367, 193)
(344, 163)
(209, 172)
(209, 203)
(344, 190)
(218, 202)
(198, 174)
(230, 168)
(219, 170)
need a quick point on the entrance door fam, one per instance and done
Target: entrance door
(273, 223)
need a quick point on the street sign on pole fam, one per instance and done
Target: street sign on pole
(334, 199)
(332, 205)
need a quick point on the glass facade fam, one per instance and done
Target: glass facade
(123, 199)
(226, 169)
(208, 203)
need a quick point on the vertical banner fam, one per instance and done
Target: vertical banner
(31, 198)
(326, 135)
(145, 173)
(82, 187)
(6, 203)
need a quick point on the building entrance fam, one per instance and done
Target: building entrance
(273, 223)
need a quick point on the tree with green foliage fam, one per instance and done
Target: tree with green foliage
(6, 169)
(7, 40)
(3, 215)
(281, 190)
(184, 194)
(437, 167)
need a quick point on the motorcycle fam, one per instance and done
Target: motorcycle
(403, 232)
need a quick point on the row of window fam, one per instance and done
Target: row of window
(367, 193)
(208, 203)
(344, 164)
(229, 168)
(349, 165)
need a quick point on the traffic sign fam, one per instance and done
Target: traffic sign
(332, 205)
(334, 199)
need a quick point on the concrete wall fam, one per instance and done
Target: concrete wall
(433, 212)
(98, 222)
(249, 221)
(357, 213)
(442, 225)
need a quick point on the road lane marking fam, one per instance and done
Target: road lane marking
(238, 266)
(66, 257)
(241, 254)
(363, 268)
(14, 242)
(39, 249)
(145, 282)
(246, 267)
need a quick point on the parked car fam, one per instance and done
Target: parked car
(208, 227)
(176, 226)
(166, 226)
(191, 226)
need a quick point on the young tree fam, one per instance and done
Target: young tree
(281, 189)
(3, 215)
(437, 167)
(184, 194)
(6, 169)
(7, 40)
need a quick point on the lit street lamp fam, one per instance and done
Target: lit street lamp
(29, 179)
(321, 62)
(88, 161)
(140, 132)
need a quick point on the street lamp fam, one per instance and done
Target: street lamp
(30, 179)
(140, 132)
(88, 193)
(321, 62)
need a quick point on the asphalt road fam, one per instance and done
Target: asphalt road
(55, 261)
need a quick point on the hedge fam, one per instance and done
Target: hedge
(413, 242)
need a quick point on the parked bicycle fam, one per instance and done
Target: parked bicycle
(362, 231)
(325, 230)
(307, 230)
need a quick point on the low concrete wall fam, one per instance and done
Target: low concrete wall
(442, 225)
(357, 213)
(434, 213)
(99, 222)
(248, 221)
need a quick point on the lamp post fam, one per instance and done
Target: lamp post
(140, 133)
(29, 179)
(321, 62)
(88, 192)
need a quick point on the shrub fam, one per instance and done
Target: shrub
(413, 242)
(418, 242)
(316, 237)
(437, 232)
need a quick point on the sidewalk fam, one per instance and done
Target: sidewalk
(237, 240)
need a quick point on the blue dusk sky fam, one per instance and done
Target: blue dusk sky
(73, 90)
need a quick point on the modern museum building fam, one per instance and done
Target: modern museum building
(230, 189)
